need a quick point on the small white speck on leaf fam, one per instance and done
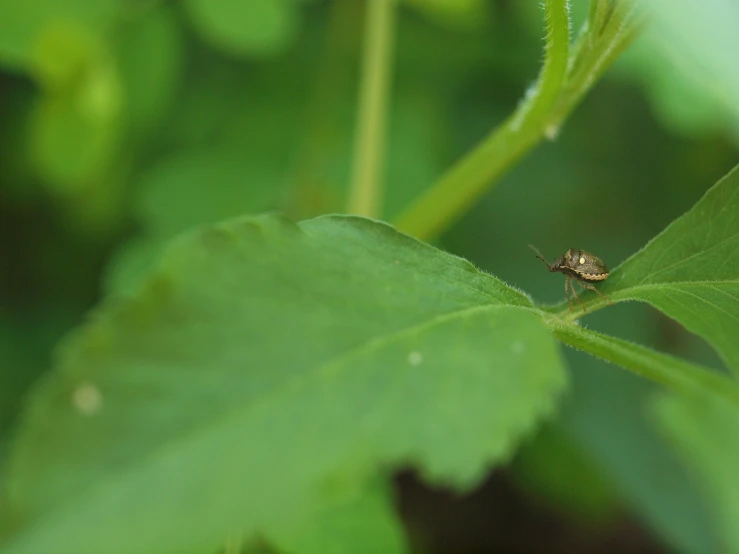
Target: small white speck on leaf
(87, 398)
(415, 358)
(551, 132)
(517, 347)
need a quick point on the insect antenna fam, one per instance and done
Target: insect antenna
(538, 254)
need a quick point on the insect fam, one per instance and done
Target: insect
(580, 266)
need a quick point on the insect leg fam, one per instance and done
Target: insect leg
(591, 287)
(568, 282)
(576, 296)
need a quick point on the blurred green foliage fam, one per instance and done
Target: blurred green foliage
(125, 123)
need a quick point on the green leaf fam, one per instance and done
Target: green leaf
(22, 23)
(131, 263)
(606, 416)
(204, 186)
(673, 372)
(263, 362)
(191, 188)
(705, 430)
(556, 468)
(701, 39)
(679, 99)
(70, 146)
(254, 28)
(150, 55)
(691, 270)
(454, 14)
(360, 521)
(74, 126)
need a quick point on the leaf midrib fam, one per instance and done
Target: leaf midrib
(626, 294)
(667, 285)
(685, 260)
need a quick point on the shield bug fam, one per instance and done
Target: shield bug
(580, 266)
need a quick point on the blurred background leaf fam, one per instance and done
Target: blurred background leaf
(700, 42)
(256, 28)
(705, 433)
(23, 25)
(149, 49)
(454, 14)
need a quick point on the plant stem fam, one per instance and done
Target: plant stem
(307, 194)
(365, 193)
(467, 180)
(602, 47)
(562, 84)
(673, 372)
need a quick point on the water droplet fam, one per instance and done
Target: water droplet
(415, 358)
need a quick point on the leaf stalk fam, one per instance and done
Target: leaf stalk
(366, 190)
(564, 79)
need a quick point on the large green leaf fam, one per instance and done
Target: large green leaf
(263, 364)
(360, 521)
(705, 430)
(691, 270)
(174, 197)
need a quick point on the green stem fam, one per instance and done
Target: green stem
(466, 181)
(599, 12)
(365, 193)
(599, 49)
(307, 194)
(562, 85)
(673, 372)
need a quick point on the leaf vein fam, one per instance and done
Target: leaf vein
(694, 255)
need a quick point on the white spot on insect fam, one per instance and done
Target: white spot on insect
(582, 260)
(415, 358)
(87, 398)
(517, 347)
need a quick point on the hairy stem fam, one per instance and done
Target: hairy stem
(365, 193)
(466, 181)
(604, 43)
(565, 78)
(675, 373)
